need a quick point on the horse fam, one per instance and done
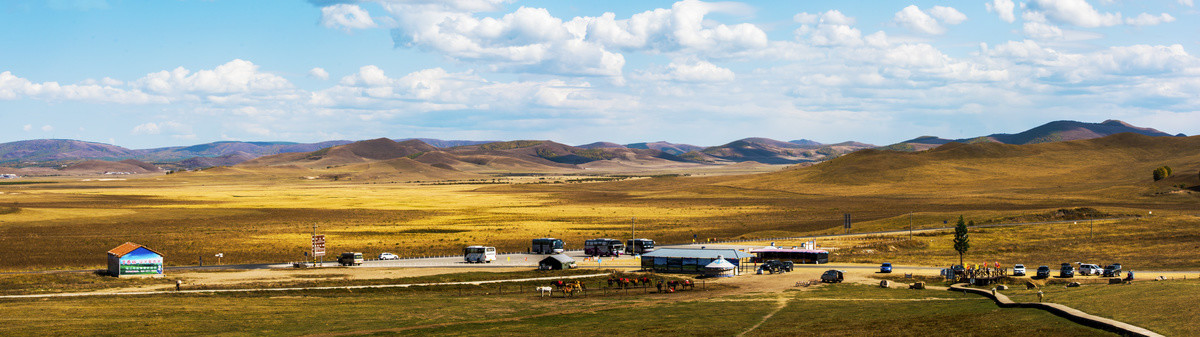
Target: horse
(544, 291)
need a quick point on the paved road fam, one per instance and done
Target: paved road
(299, 288)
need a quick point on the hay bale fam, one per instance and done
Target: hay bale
(918, 285)
(1030, 285)
(1001, 287)
(1115, 280)
(1073, 285)
(885, 284)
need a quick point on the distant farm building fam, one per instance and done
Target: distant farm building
(131, 259)
(556, 262)
(693, 261)
(9, 176)
(800, 256)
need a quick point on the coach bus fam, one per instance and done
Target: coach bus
(547, 246)
(805, 256)
(639, 246)
(603, 247)
(479, 254)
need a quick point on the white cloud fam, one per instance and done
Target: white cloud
(146, 129)
(14, 87)
(532, 40)
(1042, 31)
(805, 18)
(237, 76)
(948, 15)
(689, 71)
(1146, 19)
(833, 29)
(318, 73)
(47, 128)
(1187, 3)
(27, 127)
(1075, 12)
(1003, 8)
(914, 19)
(346, 17)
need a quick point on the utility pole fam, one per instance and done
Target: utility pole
(909, 226)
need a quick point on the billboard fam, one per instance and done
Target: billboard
(318, 245)
(140, 261)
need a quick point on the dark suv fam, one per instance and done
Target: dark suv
(1112, 270)
(1043, 272)
(1066, 271)
(777, 266)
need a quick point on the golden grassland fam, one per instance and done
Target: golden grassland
(1161, 306)
(825, 311)
(257, 215)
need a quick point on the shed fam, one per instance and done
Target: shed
(556, 262)
(131, 259)
(691, 260)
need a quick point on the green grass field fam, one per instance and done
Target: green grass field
(1162, 306)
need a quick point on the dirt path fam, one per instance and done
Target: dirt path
(782, 302)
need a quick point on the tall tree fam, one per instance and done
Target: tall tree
(962, 242)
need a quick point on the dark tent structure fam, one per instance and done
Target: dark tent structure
(556, 262)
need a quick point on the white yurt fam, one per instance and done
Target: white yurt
(720, 268)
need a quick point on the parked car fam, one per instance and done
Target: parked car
(1066, 271)
(832, 276)
(1018, 270)
(1112, 270)
(1086, 269)
(886, 267)
(350, 259)
(776, 266)
(388, 256)
(1042, 272)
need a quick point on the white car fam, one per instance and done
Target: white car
(1018, 270)
(388, 256)
(1089, 269)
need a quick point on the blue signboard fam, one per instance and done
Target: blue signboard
(141, 261)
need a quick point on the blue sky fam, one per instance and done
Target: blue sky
(146, 74)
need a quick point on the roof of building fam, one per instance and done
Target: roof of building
(720, 264)
(563, 258)
(786, 250)
(698, 253)
(129, 247)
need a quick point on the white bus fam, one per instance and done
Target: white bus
(479, 254)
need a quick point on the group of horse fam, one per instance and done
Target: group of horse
(570, 288)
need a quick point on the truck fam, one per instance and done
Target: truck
(350, 259)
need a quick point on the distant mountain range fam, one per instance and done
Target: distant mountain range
(1057, 131)
(45, 156)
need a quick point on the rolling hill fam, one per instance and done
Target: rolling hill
(1116, 165)
(1057, 131)
(770, 151)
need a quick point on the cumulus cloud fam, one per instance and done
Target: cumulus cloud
(15, 87)
(1003, 8)
(1187, 3)
(690, 71)
(346, 17)
(318, 73)
(1042, 30)
(832, 29)
(237, 76)
(1146, 19)
(1074, 12)
(533, 40)
(928, 22)
(27, 127)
